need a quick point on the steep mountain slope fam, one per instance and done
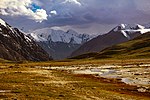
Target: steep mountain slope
(119, 34)
(58, 43)
(135, 48)
(16, 46)
(58, 50)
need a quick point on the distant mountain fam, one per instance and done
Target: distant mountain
(16, 46)
(135, 48)
(58, 43)
(51, 35)
(119, 34)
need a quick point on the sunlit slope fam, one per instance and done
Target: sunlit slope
(136, 48)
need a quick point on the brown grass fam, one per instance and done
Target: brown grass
(24, 81)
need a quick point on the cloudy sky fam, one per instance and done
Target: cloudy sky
(88, 16)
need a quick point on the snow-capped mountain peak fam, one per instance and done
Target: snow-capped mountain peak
(123, 26)
(70, 36)
(128, 27)
(128, 30)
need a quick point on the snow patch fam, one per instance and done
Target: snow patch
(3, 22)
(144, 31)
(125, 34)
(127, 29)
(123, 26)
(37, 38)
(28, 39)
(6, 35)
(140, 26)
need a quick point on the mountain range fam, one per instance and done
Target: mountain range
(16, 46)
(138, 47)
(58, 43)
(45, 44)
(121, 33)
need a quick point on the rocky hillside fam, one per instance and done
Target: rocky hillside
(58, 50)
(16, 46)
(135, 48)
(119, 34)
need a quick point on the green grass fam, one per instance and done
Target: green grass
(138, 48)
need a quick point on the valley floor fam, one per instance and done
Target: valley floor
(76, 80)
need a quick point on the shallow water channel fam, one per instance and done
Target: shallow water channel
(130, 74)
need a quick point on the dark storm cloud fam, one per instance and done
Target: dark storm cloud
(87, 13)
(97, 11)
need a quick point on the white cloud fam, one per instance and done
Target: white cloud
(40, 15)
(72, 2)
(92, 14)
(53, 12)
(22, 8)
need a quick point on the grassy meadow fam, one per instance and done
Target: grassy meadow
(23, 81)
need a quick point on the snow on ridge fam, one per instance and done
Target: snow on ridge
(140, 26)
(61, 36)
(28, 39)
(127, 29)
(123, 26)
(3, 22)
(48, 34)
(37, 38)
(142, 31)
(125, 34)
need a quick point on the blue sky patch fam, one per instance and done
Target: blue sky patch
(34, 7)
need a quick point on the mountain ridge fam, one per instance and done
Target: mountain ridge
(48, 34)
(16, 46)
(138, 47)
(60, 44)
(119, 34)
